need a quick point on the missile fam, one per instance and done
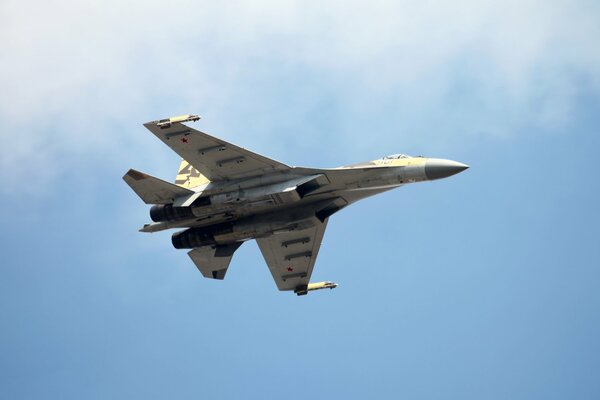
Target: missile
(300, 291)
(321, 285)
(167, 122)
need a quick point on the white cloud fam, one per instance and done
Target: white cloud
(78, 77)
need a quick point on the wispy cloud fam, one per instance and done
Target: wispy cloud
(77, 78)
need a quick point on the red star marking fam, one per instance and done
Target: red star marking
(184, 140)
(290, 269)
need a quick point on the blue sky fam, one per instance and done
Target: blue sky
(483, 285)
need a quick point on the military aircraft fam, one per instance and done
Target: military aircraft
(224, 195)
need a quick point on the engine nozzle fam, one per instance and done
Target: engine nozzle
(162, 213)
(198, 237)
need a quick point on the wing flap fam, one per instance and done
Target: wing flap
(291, 256)
(214, 158)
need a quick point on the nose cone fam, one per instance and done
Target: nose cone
(437, 168)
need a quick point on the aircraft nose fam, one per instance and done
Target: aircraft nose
(437, 168)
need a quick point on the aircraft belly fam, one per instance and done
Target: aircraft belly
(267, 210)
(348, 185)
(279, 220)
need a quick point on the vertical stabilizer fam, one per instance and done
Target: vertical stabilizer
(189, 177)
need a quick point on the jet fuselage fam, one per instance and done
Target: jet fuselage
(241, 210)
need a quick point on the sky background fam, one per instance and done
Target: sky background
(484, 285)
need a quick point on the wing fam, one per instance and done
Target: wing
(214, 158)
(292, 255)
(213, 261)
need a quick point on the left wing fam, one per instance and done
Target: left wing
(292, 255)
(214, 158)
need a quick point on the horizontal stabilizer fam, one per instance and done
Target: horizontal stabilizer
(153, 190)
(213, 261)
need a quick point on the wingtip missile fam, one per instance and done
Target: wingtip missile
(300, 291)
(321, 285)
(167, 122)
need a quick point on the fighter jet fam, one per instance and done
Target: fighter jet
(225, 195)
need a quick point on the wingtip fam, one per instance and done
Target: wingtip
(135, 175)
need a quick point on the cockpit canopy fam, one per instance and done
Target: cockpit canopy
(395, 156)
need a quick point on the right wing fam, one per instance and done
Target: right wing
(214, 158)
(213, 261)
(292, 255)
